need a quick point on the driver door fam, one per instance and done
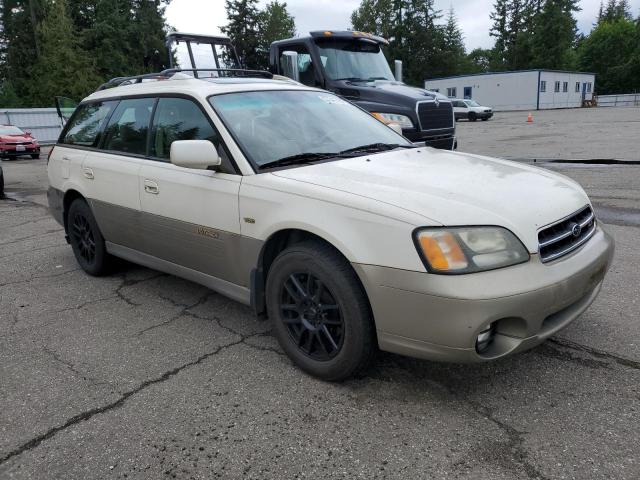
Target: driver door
(189, 217)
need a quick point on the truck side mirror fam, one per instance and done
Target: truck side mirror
(398, 70)
(289, 65)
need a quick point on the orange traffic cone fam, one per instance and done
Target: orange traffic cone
(529, 118)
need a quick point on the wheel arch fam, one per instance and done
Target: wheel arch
(69, 196)
(276, 243)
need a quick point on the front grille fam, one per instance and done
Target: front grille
(566, 235)
(17, 143)
(434, 116)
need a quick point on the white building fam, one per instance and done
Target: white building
(519, 90)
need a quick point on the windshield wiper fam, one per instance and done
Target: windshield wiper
(375, 147)
(298, 158)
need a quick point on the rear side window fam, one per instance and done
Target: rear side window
(178, 119)
(85, 126)
(128, 127)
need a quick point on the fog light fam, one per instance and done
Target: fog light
(485, 337)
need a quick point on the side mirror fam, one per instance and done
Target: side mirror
(27, 133)
(398, 70)
(197, 154)
(289, 65)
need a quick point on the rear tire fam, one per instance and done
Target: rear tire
(86, 240)
(319, 311)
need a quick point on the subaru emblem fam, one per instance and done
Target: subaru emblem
(576, 230)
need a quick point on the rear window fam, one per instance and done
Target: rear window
(85, 126)
(10, 130)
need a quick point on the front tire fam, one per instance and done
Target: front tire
(319, 311)
(472, 116)
(35, 155)
(86, 240)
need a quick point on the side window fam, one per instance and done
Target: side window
(85, 126)
(178, 119)
(128, 126)
(305, 64)
(181, 119)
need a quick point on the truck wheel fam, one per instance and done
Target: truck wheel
(319, 311)
(86, 240)
(472, 116)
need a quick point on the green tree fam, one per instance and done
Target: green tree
(274, 23)
(479, 60)
(612, 51)
(453, 57)
(554, 35)
(500, 30)
(62, 68)
(242, 29)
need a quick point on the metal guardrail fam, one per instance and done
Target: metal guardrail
(43, 123)
(622, 100)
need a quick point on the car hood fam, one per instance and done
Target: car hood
(16, 138)
(449, 188)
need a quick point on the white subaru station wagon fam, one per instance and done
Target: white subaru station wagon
(348, 237)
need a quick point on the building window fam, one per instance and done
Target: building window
(543, 86)
(557, 87)
(451, 92)
(589, 87)
(565, 87)
(577, 87)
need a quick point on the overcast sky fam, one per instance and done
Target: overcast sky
(206, 16)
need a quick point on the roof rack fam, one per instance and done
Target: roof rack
(168, 73)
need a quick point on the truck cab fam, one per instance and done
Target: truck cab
(352, 64)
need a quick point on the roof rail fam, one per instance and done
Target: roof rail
(168, 73)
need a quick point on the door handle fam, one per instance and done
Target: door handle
(151, 187)
(88, 173)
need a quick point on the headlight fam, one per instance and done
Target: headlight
(402, 120)
(460, 250)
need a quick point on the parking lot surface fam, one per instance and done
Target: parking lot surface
(576, 133)
(145, 375)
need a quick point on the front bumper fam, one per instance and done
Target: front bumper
(482, 115)
(439, 317)
(11, 151)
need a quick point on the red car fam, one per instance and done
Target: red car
(15, 142)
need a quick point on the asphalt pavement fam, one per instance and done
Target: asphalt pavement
(144, 375)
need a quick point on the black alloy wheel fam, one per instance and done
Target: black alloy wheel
(319, 311)
(86, 239)
(83, 238)
(312, 316)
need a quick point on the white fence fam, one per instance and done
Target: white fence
(624, 100)
(43, 123)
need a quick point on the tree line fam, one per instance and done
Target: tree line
(529, 34)
(69, 47)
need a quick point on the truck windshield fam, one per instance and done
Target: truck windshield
(353, 60)
(278, 124)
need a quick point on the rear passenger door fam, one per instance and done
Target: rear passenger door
(190, 217)
(113, 171)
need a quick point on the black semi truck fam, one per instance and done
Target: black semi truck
(353, 65)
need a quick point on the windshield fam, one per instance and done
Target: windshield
(472, 103)
(10, 130)
(354, 60)
(272, 125)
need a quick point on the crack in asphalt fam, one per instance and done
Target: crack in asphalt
(185, 308)
(626, 362)
(88, 414)
(71, 367)
(37, 277)
(35, 235)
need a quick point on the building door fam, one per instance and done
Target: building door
(584, 91)
(467, 92)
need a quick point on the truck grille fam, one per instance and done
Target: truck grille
(435, 115)
(566, 235)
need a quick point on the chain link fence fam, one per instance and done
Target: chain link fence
(43, 123)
